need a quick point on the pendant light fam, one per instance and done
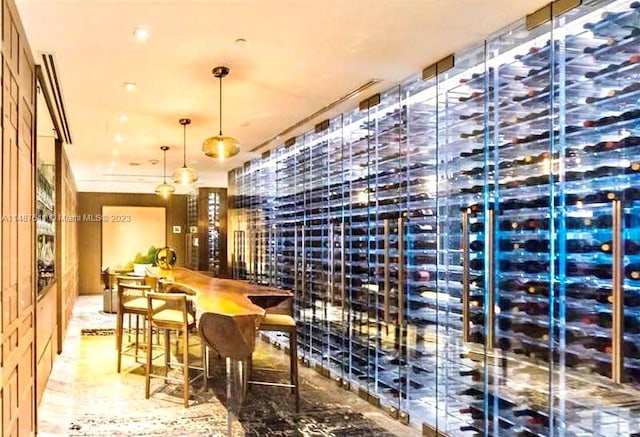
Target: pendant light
(185, 175)
(220, 146)
(165, 189)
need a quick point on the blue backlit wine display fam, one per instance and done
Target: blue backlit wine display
(465, 248)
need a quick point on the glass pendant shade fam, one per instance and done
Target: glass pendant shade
(164, 189)
(220, 147)
(185, 175)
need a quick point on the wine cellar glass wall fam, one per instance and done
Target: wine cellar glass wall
(464, 248)
(206, 236)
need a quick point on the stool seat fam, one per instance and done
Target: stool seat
(272, 321)
(168, 317)
(140, 303)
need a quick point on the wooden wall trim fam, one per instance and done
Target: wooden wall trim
(17, 198)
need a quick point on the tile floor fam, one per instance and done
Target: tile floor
(86, 397)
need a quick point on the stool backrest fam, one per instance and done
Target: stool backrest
(151, 281)
(128, 292)
(137, 280)
(176, 302)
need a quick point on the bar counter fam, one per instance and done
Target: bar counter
(229, 311)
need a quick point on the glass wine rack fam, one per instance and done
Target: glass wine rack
(465, 247)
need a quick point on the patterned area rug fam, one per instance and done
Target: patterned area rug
(110, 404)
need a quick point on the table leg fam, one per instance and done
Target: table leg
(236, 381)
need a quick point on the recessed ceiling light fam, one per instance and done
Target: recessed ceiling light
(123, 117)
(134, 164)
(129, 86)
(118, 138)
(141, 33)
(115, 152)
(245, 124)
(112, 163)
(241, 41)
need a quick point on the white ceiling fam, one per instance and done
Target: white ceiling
(299, 56)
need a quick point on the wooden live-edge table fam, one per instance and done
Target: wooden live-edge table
(229, 313)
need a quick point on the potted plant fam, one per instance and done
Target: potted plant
(142, 262)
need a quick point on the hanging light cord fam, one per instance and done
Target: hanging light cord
(220, 105)
(164, 172)
(184, 148)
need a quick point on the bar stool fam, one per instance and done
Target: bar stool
(277, 322)
(134, 280)
(169, 312)
(132, 300)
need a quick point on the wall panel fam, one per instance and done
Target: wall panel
(67, 247)
(16, 229)
(89, 232)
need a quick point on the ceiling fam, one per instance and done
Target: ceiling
(299, 56)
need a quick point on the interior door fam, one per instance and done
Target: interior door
(425, 300)
(387, 201)
(519, 344)
(464, 244)
(596, 298)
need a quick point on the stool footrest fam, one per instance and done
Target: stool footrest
(272, 384)
(175, 380)
(268, 369)
(175, 364)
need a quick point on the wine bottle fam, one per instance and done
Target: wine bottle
(532, 308)
(476, 245)
(632, 271)
(536, 246)
(476, 337)
(615, 93)
(504, 323)
(629, 247)
(592, 49)
(535, 266)
(531, 329)
(511, 285)
(476, 227)
(425, 244)
(537, 287)
(603, 171)
(631, 323)
(622, 19)
(607, 120)
(421, 276)
(602, 271)
(476, 264)
(579, 290)
(535, 224)
(508, 245)
(477, 318)
(630, 194)
(582, 246)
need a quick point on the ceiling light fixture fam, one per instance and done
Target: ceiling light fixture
(118, 138)
(141, 33)
(129, 86)
(123, 117)
(165, 189)
(185, 175)
(220, 146)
